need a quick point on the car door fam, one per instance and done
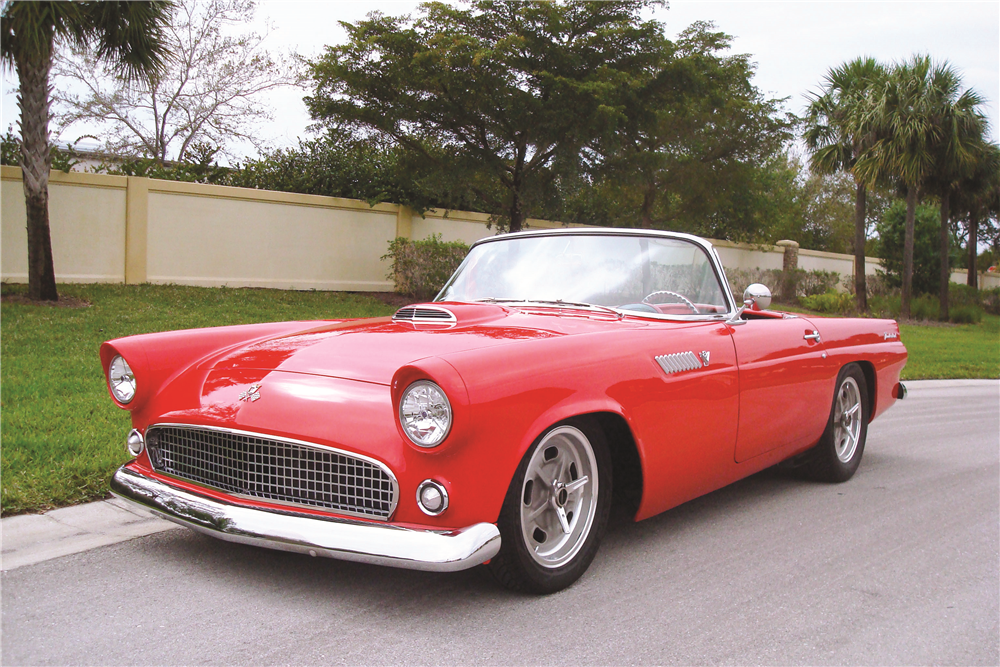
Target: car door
(785, 381)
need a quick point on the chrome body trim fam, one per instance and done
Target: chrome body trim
(680, 361)
(330, 537)
(299, 443)
(426, 314)
(135, 443)
(709, 249)
(440, 489)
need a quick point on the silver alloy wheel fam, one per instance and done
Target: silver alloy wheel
(847, 415)
(559, 496)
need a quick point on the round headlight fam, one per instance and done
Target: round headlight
(425, 414)
(121, 379)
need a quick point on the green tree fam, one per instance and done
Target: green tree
(697, 144)
(492, 94)
(129, 35)
(926, 276)
(341, 165)
(836, 137)
(906, 121)
(977, 202)
(961, 138)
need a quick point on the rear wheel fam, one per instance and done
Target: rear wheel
(837, 456)
(556, 509)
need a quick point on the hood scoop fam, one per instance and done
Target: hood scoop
(425, 314)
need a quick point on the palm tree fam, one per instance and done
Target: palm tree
(958, 147)
(836, 139)
(129, 35)
(906, 119)
(978, 196)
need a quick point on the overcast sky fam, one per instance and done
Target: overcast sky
(793, 43)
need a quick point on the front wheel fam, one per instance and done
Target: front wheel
(837, 456)
(556, 509)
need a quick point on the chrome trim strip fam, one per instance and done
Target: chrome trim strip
(709, 249)
(331, 537)
(420, 314)
(679, 361)
(301, 443)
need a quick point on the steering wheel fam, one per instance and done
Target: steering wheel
(683, 298)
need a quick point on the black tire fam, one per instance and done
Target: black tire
(835, 458)
(523, 564)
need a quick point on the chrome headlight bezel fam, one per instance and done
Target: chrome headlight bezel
(422, 402)
(121, 380)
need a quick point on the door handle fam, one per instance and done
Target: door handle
(812, 336)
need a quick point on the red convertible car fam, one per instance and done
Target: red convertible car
(494, 424)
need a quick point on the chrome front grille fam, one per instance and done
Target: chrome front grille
(272, 469)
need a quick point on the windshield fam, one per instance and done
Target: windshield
(646, 274)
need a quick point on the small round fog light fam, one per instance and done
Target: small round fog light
(135, 443)
(432, 498)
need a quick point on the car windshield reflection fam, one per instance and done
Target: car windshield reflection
(624, 273)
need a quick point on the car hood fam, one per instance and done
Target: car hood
(373, 350)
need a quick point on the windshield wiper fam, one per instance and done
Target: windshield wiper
(557, 303)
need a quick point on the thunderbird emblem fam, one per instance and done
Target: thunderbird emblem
(252, 393)
(704, 358)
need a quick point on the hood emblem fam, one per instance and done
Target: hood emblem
(251, 394)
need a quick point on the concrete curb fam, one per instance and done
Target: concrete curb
(33, 538)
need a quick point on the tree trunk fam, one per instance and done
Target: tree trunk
(945, 269)
(973, 277)
(516, 211)
(33, 78)
(648, 199)
(860, 282)
(911, 216)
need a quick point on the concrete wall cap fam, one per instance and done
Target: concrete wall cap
(787, 244)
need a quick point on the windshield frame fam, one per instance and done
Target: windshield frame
(713, 258)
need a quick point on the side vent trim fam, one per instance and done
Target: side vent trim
(679, 361)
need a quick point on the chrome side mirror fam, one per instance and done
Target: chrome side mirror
(757, 297)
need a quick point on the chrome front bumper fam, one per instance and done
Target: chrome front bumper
(344, 539)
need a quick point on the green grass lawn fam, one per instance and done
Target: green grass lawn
(952, 351)
(62, 437)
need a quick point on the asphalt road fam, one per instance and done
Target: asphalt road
(901, 565)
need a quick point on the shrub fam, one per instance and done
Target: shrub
(990, 299)
(924, 307)
(876, 284)
(807, 283)
(887, 306)
(421, 268)
(811, 283)
(965, 314)
(828, 302)
(926, 244)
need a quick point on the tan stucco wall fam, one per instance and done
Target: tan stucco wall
(118, 229)
(87, 221)
(196, 240)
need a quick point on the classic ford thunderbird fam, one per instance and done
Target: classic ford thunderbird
(556, 371)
